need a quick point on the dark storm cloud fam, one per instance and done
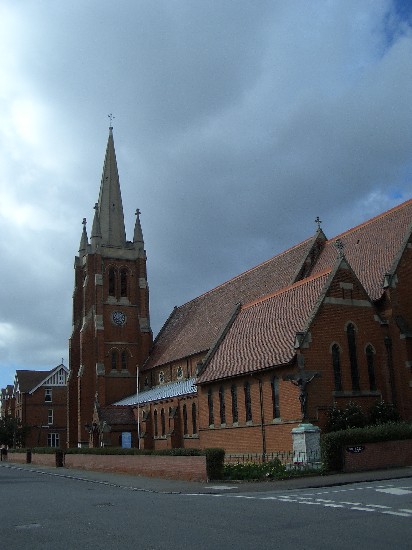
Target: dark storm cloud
(237, 123)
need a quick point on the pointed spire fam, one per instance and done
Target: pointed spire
(110, 207)
(96, 236)
(84, 241)
(138, 233)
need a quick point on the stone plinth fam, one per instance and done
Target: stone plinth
(306, 445)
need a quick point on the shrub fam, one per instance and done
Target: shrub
(215, 463)
(382, 412)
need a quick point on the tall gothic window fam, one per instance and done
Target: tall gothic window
(275, 397)
(233, 392)
(124, 360)
(185, 431)
(163, 421)
(337, 375)
(112, 282)
(248, 402)
(123, 282)
(222, 406)
(370, 359)
(194, 418)
(354, 371)
(210, 406)
(114, 360)
(156, 431)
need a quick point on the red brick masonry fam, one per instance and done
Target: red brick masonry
(371, 456)
(189, 468)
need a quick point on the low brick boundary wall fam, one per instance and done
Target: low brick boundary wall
(372, 456)
(188, 468)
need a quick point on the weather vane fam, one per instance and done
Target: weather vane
(111, 118)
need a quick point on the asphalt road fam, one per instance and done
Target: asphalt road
(60, 510)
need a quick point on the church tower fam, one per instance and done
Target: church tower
(111, 333)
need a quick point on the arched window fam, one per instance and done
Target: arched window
(185, 431)
(194, 418)
(337, 376)
(248, 402)
(222, 407)
(112, 282)
(370, 359)
(124, 360)
(179, 373)
(275, 397)
(155, 423)
(161, 377)
(163, 421)
(123, 282)
(354, 371)
(233, 392)
(210, 406)
(114, 359)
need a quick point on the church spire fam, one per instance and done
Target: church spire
(96, 235)
(110, 207)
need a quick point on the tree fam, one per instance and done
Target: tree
(12, 433)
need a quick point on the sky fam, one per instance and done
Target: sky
(236, 124)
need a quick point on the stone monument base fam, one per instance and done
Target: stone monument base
(306, 445)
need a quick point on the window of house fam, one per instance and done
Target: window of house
(161, 377)
(210, 406)
(112, 282)
(233, 392)
(194, 418)
(370, 359)
(156, 431)
(48, 395)
(248, 402)
(163, 421)
(123, 283)
(351, 334)
(337, 375)
(185, 431)
(114, 360)
(53, 440)
(50, 416)
(124, 360)
(179, 373)
(222, 407)
(275, 397)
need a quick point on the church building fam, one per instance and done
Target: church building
(326, 322)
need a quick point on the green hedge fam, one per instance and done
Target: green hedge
(332, 443)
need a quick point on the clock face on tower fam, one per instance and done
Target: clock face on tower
(118, 318)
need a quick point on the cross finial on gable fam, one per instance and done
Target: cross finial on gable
(84, 222)
(318, 221)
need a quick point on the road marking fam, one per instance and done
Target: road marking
(394, 491)
(402, 514)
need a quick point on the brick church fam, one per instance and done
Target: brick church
(326, 322)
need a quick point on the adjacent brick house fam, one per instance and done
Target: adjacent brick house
(227, 369)
(41, 405)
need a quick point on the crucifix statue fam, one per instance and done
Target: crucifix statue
(301, 380)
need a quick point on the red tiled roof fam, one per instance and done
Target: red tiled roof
(193, 327)
(263, 334)
(28, 379)
(372, 247)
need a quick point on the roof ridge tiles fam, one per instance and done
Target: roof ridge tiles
(322, 273)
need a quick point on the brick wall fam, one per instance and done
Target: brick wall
(385, 454)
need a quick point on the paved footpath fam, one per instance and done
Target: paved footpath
(157, 485)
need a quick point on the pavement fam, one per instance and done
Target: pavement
(158, 485)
